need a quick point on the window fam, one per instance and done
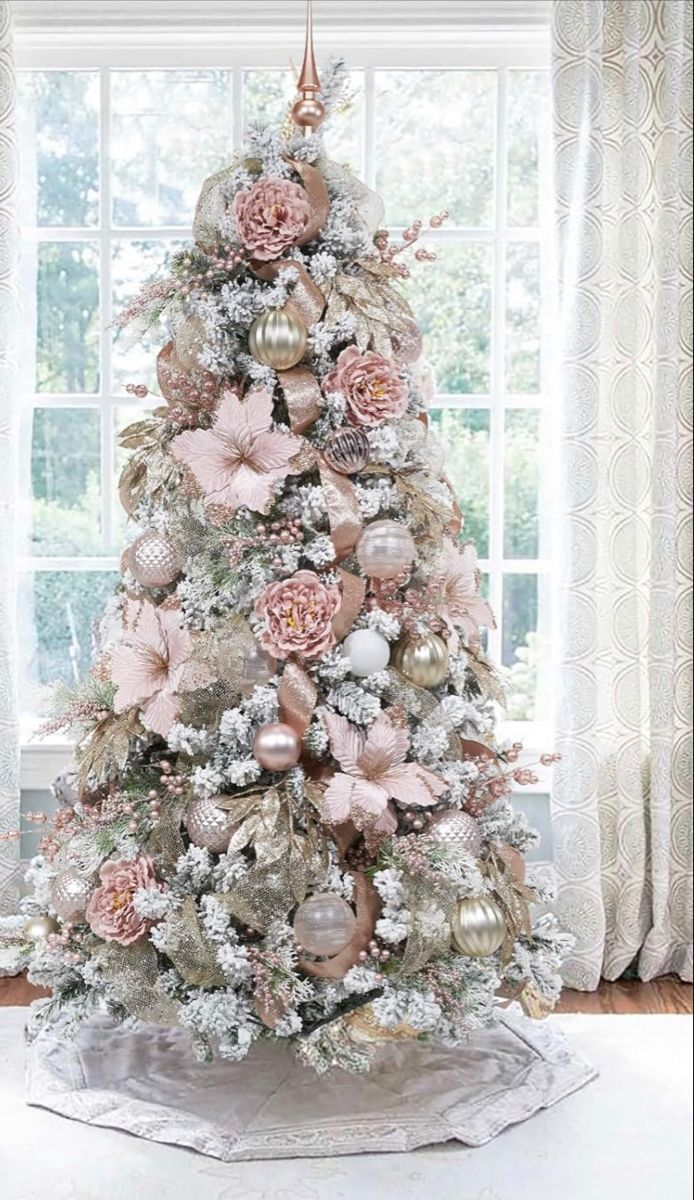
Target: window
(113, 158)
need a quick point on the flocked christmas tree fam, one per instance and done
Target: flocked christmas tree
(291, 817)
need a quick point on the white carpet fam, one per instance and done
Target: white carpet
(624, 1137)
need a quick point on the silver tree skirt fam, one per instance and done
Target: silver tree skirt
(144, 1081)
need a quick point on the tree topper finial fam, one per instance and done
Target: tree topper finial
(308, 111)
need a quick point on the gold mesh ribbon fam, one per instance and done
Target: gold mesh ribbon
(192, 954)
(133, 976)
(427, 938)
(297, 696)
(165, 841)
(302, 396)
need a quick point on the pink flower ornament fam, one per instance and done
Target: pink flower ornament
(462, 605)
(239, 460)
(271, 216)
(298, 614)
(371, 386)
(148, 666)
(374, 771)
(110, 912)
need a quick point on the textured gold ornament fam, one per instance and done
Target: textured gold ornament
(37, 929)
(424, 661)
(278, 339)
(478, 927)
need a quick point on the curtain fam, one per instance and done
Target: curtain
(9, 241)
(622, 809)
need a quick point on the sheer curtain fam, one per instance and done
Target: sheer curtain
(622, 809)
(9, 738)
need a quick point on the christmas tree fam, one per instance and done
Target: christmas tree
(290, 817)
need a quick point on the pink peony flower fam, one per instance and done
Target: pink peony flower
(374, 771)
(147, 667)
(239, 459)
(298, 614)
(371, 385)
(462, 605)
(272, 215)
(110, 912)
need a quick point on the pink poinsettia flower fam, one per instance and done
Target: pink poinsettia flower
(238, 461)
(148, 666)
(462, 605)
(374, 771)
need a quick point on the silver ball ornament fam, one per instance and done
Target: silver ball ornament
(209, 826)
(153, 559)
(478, 926)
(424, 661)
(385, 548)
(37, 929)
(278, 339)
(277, 747)
(367, 652)
(456, 829)
(324, 924)
(70, 894)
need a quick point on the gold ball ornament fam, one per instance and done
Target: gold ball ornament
(478, 927)
(153, 559)
(37, 929)
(278, 339)
(423, 661)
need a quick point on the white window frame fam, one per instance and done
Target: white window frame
(411, 44)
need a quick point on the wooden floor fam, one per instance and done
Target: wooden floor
(667, 995)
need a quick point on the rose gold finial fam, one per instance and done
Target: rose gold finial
(308, 112)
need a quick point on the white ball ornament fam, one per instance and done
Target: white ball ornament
(385, 548)
(367, 652)
(324, 924)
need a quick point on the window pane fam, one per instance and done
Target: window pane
(523, 317)
(464, 435)
(451, 299)
(435, 144)
(58, 610)
(67, 336)
(528, 112)
(268, 96)
(65, 476)
(59, 137)
(134, 263)
(521, 484)
(169, 131)
(525, 646)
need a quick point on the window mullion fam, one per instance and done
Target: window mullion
(105, 307)
(370, 127)
(496, 430)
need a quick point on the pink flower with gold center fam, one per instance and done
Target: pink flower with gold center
(111, 913)
(371, 386)
(462, 605)
(271, 216)
(298, 614)
(147, 667)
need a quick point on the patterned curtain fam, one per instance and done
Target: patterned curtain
(9, 739)
(622, 807)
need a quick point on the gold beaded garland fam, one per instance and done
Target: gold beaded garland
(278, 339)
(478, 926)
(424, 661)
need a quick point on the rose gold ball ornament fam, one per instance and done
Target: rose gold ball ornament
(324, 924)
(385, 548)
(209, 826)
(70, 894)
(278, 339)
(257, 669)
(277, 747)
(478, 926)
(37, 929)
(456, 829)
(424, 661)
(347, 451)
(153, 559)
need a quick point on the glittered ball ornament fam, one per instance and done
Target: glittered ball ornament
(347, 452)
(324, 924)
(37, 929)
(367, 652)
(277, 747)
(209, 826)
(385, 548)
(257, 669)
(278, 339)
(423, 661)
(70, 894)
(478, 926)
(457, 830)
(153, 559)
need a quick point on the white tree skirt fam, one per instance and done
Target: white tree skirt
(624, 1136)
